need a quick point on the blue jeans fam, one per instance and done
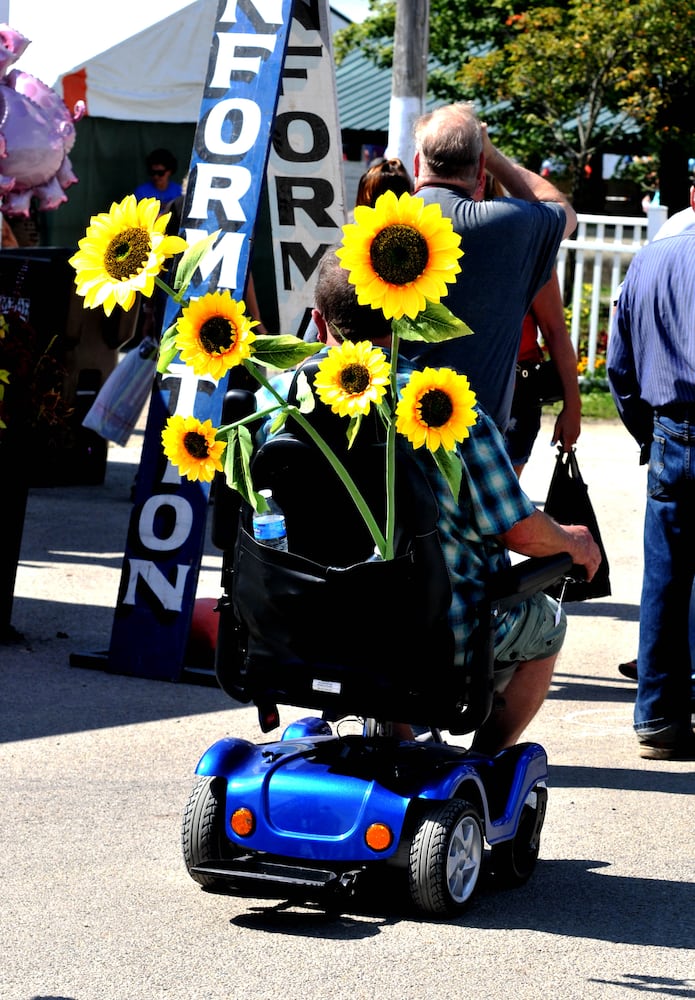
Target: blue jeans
(662, 708)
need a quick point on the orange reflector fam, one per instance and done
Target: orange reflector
(378, 837)
(242, 822)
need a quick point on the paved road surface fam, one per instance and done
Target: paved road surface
(96, 904)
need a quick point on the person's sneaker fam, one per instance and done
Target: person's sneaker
(683, 749)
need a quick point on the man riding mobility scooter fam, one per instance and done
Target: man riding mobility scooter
(313, 814)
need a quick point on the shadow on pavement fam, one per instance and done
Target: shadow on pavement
(571, 898)
(49, 699)
(573, 687)
(582, 899)
(621, 778)
(609, 609)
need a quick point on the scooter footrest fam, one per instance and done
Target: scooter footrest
(267, 871)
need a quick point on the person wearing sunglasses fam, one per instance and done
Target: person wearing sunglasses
(161, 164)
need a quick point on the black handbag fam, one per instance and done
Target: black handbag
(538, 382)
(568, 503)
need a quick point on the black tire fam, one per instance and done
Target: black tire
(514, 861)
(202, 832)
(446, 855)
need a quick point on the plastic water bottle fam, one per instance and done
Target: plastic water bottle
(269, 527)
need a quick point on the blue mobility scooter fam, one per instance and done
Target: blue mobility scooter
(311, 815)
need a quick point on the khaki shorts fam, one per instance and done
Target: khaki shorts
(533, 636)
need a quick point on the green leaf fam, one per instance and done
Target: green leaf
(237, 464)
(278, 422)
(304, 394)
(283, 350)
(353, 428)
(434, 324)
(189, 262)
(449, 464)
(167, 349)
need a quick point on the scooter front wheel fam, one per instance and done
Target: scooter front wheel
(446, 855)
(203, 829)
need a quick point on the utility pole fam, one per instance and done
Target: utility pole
(409, 86)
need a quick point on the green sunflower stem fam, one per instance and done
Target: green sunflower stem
(338, 467)
(349, 483)
(391, 452)
(168, 289)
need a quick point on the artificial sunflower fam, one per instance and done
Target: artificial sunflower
(122, 252)
(352, 377)
(400, 254)
(214, 334)
(191, 446)
(436, 409)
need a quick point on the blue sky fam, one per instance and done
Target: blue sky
(356, 10)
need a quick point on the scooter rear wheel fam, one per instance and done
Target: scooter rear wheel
(514, 861)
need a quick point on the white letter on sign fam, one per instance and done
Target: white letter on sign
(227, 62)
(170, 597)
(270, 11)
(238, 182)
(219, 118)
(183, 520)
(227, 250)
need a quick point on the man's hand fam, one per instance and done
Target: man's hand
(584, 550)
(523, 183)
(540, 535)
(567, 428)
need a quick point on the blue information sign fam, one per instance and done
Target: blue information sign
(167, 528)
(269, 113)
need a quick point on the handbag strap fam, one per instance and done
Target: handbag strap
(574, 465)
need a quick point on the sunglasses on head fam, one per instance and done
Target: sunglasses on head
(157, 172)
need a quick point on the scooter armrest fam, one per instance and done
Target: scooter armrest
(523, 579)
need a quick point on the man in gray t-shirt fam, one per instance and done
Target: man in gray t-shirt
(510, 245)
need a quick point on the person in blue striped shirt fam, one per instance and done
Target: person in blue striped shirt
(651, 374)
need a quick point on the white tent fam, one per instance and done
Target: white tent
(156, 75)
(142, 93)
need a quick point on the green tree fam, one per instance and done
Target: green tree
(567, 79)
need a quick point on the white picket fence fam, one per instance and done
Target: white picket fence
(601, 251)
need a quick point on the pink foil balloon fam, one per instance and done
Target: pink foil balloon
(36, 134)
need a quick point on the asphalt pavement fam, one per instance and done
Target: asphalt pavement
(97, 767)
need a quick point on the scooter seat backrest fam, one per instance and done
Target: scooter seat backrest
(323, 522)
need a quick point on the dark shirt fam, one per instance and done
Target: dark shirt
(509, 249)
(651, 350)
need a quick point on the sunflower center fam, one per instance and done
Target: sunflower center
(196, 444)
(217, 335)
(354, 378)
(399, 254)
(127, 253)
(436, 408)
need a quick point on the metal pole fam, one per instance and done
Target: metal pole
(409, 86)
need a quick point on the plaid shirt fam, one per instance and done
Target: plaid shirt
(490, 503)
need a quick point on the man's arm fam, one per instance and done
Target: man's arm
(635, 413)
(540, 535)
(548, 312)
(524, 184)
